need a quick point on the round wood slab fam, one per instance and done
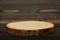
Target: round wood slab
(30, 28)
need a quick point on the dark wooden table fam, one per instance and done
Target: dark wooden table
(5, 36)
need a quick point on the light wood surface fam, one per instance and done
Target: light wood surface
(30, 28)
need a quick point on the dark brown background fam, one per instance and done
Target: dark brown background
(30, 10)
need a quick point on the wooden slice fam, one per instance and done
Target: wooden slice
(30, 28)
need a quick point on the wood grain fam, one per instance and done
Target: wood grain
(30, 32)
